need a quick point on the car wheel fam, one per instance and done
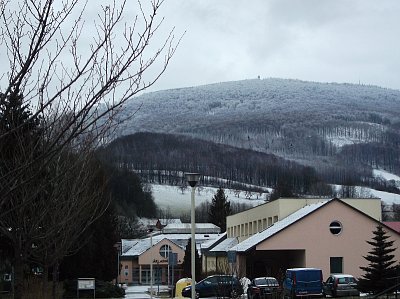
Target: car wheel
(234, 294)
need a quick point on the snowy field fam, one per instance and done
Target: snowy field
(386, 175)
(386, 197)
(171, 197)
(177, 200)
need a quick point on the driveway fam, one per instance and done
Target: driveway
(141, 292)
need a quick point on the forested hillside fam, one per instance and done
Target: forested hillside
(330, 127)
(162, 158)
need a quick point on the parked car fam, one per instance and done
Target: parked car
(303, 282)
(341, 285)
(263, 287)
(215, 286)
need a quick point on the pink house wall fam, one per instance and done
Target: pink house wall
(145, 259)
(126, 271)
(312, 234)
(154, 253)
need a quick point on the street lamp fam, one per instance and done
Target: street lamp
(192, 179)
(118, 247)
(151, 262)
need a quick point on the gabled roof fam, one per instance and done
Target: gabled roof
(136, 247)
(277, 227)
(293, 218)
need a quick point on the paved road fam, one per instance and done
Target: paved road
(138, 292)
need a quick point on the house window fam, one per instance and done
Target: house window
(165, 250)
(336, 264)
(335, 227)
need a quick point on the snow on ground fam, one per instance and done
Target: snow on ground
(386, 197)
(342, 141)
(365, 192)
(173, 198)
(385, 175)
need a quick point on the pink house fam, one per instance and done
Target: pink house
(330, 235)
(137, 260)
(163, 252)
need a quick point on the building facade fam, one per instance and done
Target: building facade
(247, 223)
(162, 254)
(330, 235)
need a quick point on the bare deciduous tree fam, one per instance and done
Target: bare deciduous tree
(70, 89)
(77, 86)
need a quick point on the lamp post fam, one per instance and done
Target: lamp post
(151, 262)
(118, 247)
(192, 179)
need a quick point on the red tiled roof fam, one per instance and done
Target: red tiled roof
(395, 225)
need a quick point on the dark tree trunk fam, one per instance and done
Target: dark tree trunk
(18, 274)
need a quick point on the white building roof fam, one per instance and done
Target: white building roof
(225, 245)
(277, 226)
(211, 242)
(166, 221)
(137, 246)
(186, 228)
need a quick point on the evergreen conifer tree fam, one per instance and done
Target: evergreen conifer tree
(187, 262)
(380, 267)
(220, 208)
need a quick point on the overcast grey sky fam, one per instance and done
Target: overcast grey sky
(353, 41)
(317, 40)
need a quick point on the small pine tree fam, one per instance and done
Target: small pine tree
(220, 208)
(380, 268)
(187, 262)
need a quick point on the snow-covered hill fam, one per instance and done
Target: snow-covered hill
(303, 121)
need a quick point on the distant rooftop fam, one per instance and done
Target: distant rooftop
(395, 225)
(185, 228)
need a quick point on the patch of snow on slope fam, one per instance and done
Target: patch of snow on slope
(385, 175)
(365, 192)
(171, 197)
(386, 197)
(342, 141)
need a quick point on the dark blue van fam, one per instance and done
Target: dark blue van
(303, 282)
